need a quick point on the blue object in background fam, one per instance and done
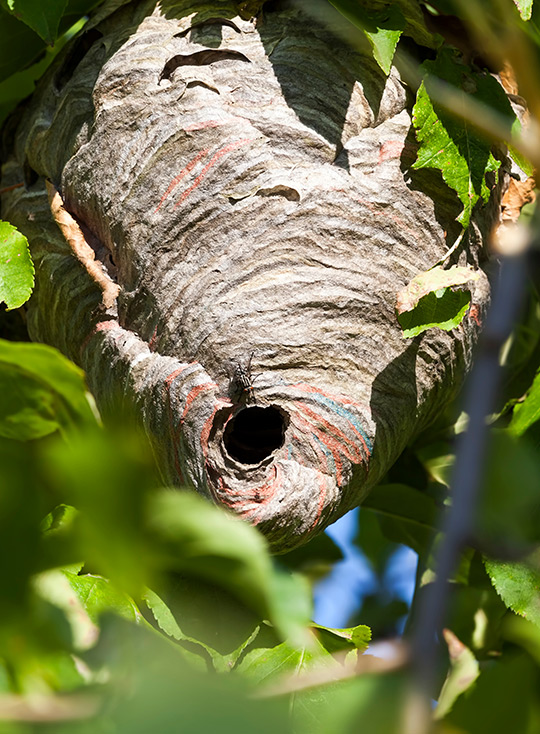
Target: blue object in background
(338, 596)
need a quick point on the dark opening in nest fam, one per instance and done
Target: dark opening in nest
(254, 433)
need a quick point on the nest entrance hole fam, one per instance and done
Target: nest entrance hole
(254, 433)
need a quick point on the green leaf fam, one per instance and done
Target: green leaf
(389, 25)
(22, 508)
(366, 704)
(528, 412)
(443, 309)
(429, 300)
(54, 586)
(205, 542)
(22, 83)
(40, 392)
(382, 29)
(476, 610)
(78, 8)
(208, 618)
(524, 633)
(518, 585)
(406, 515)
(500, 700)
(433, 280)
(438, 458)
(154, 688)
(163, 615)
(464, 670)
(61, 544)
(28, 409)
(98, 595)
(450, 144)
(403, 15)
(20, 45)
(509, 507)
(525, 8)
(265, 665)
(58, 519)
(349, 638)
(41, 17)
(415, 24)
(524, 163)
(108, 476)
(16, 267)
(168, 624)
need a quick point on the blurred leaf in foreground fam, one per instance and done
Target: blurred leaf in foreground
(108, 477)
(406, 515)
(205, 619)
(371, 703)
(40, 392)
(42, 17)
(508, 515)
(23, 505)
(153, 687)
(528, 412)
(205, 542)
(499, 701)
(464, 670)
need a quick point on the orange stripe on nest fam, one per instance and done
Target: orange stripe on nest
(215, 158)
(260, 495)
(341, 403)
(308, 428)
(197, 390)
(176, 180)
(169, 379)
(339, 439)
(101, 326)
(205, 433)
(172, 430)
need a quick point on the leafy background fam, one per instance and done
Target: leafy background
(126, 606)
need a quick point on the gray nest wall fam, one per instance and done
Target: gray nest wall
(247, 185)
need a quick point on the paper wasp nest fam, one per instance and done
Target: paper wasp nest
(245, 189)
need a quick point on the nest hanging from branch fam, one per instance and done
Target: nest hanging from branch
(230, 216)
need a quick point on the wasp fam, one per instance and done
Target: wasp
(241, 384)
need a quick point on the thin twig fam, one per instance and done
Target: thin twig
(344, 669)
(449, 252)
(48, 709)
(480, 399)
